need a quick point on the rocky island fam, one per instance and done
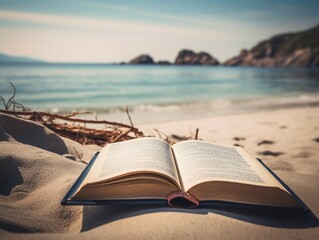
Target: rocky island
(184, 57)
(299, 49)
(188, 57)
(142, 59)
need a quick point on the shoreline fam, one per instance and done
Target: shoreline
(168, 93)
(153, 114)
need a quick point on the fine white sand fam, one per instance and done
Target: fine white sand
(283, 139)
(37, 167)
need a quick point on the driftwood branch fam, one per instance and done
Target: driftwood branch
(67, 118)
(75, 128)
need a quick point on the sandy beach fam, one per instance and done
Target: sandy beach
(285, 139)
(38, 167)
(77, 76)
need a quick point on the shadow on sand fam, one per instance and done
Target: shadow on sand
(95, 216)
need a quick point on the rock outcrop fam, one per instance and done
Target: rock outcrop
(184, 57)
(188, 57)
(163, 62)
(286, 50)
(142, 59)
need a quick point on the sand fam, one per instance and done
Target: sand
(37, 167)
(283, 139)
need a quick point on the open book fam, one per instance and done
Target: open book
(185, 175)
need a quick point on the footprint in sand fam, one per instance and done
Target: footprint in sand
(265, 142)
(270, 153)
(303, 154)
(238, 145)
(239, 138)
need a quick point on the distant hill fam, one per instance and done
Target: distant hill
(12, 59)
(300, 49)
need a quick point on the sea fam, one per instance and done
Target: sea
(157, 93)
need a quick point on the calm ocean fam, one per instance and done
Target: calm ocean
(158, 93)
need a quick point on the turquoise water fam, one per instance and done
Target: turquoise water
(175, 91)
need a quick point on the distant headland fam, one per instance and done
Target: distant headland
(300, 49)
(17, 59)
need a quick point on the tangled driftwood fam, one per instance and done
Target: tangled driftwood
(75, 128)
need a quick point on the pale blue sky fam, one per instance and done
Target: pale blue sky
(112, 31)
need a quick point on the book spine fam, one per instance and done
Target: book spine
(182, 199)
(78, 182)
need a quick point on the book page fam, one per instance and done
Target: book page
(138, 155)
(200, 161)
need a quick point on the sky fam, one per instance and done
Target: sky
(114, 31)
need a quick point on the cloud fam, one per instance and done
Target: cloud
(56, 37)
(202, 27)
(191, 21)
(198, 29)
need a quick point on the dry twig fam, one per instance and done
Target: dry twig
(196, 134)
(11, 101)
